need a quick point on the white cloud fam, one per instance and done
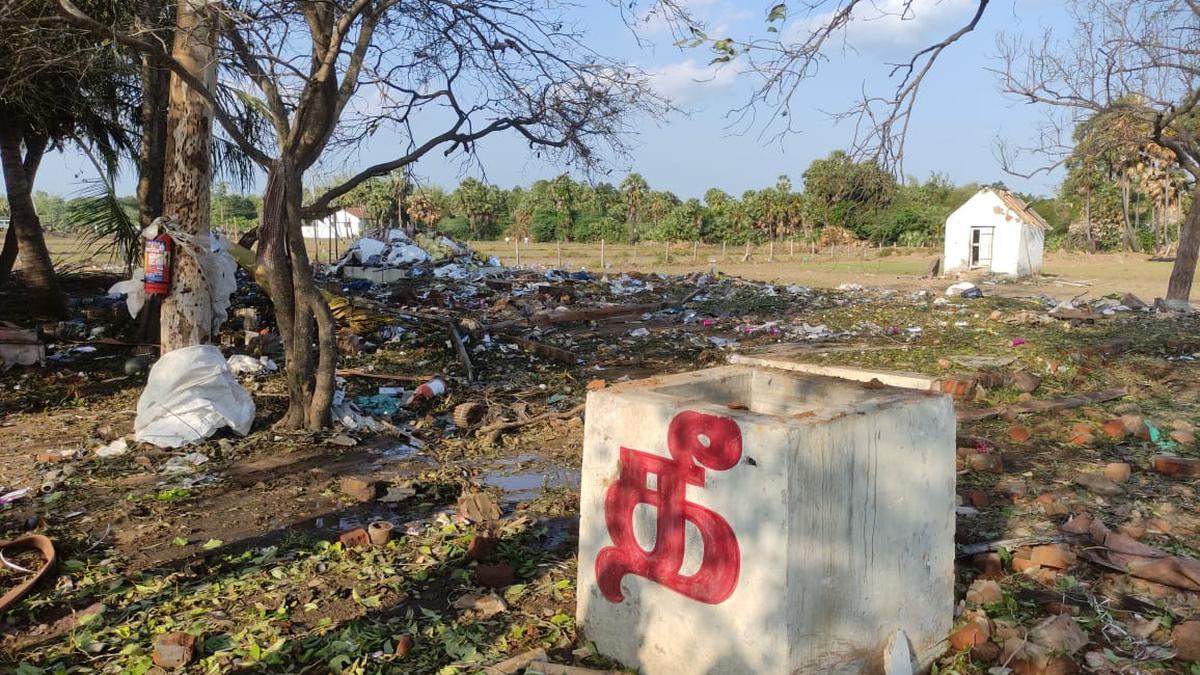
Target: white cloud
(884, 25)
(719, 17)
(688, 81)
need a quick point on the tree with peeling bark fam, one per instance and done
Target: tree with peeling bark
(54, 89)
(322, 77)
(1130, 76)
(187, 310)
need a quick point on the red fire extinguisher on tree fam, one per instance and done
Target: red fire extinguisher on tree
(157, 263)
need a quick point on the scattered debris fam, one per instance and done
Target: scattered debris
(174, 650)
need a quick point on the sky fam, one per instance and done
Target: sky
(959, 117)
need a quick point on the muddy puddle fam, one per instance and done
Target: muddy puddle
(522, 478)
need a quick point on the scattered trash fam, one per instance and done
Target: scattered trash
(185, 463)
(959, 288)
(486, 606)
(115, 449)
(42, 545)
(380, 532)
(20, 347)
(241, 364)
(430, 390)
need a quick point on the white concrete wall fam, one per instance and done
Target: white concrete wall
(1016, 246)
(340, 223)
(1033, 244)
(842, 506)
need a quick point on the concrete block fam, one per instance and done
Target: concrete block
(379, 275)
(750, 520)
(786, 359)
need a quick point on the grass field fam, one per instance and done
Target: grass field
(1065, 274)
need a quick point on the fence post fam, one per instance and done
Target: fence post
(517, 243)
(791, 249)
(723, 255)
(558, 245)
(695, 250)
(603, 266)
(771, 251)
(668, 251)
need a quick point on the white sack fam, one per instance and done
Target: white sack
(190, 394)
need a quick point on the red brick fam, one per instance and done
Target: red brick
(174, 650)
(1024, 565)
(1186, 637)
(481, 546)
(989, 565)
(1117, 471)
(495, 576)
(1183, 437)
(1115, 429)
(1057, 556)
(970, 634)
(984, 592)
(356, 538)
(987, 462)
(976, 498)
(1019, 433)
(1169, 465)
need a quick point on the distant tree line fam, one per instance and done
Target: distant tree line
(1133, 200)
(842, 201)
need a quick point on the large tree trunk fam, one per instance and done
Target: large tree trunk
(187, 310)
(300, 310)
(1179, 288)
(24, 224)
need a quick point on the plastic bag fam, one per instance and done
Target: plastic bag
(134, 291)
(190, 394)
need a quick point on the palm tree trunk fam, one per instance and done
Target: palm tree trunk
(156, 83)
(19, 173)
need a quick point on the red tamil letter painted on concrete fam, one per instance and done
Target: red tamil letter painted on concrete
(718, 450)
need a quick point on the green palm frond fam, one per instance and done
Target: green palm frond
(111, 229)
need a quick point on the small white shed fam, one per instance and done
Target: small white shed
(995, 231)
(347, 222)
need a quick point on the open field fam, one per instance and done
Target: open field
(1066, 274)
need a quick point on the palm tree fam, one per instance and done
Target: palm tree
(58, 87)
(634, 189)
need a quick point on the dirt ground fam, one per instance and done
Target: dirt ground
(241, 550)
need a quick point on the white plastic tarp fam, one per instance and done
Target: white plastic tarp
(366, 248)
(191, 393)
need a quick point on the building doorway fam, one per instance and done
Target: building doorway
(981, 246)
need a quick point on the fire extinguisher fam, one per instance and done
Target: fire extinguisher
(157, 264)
